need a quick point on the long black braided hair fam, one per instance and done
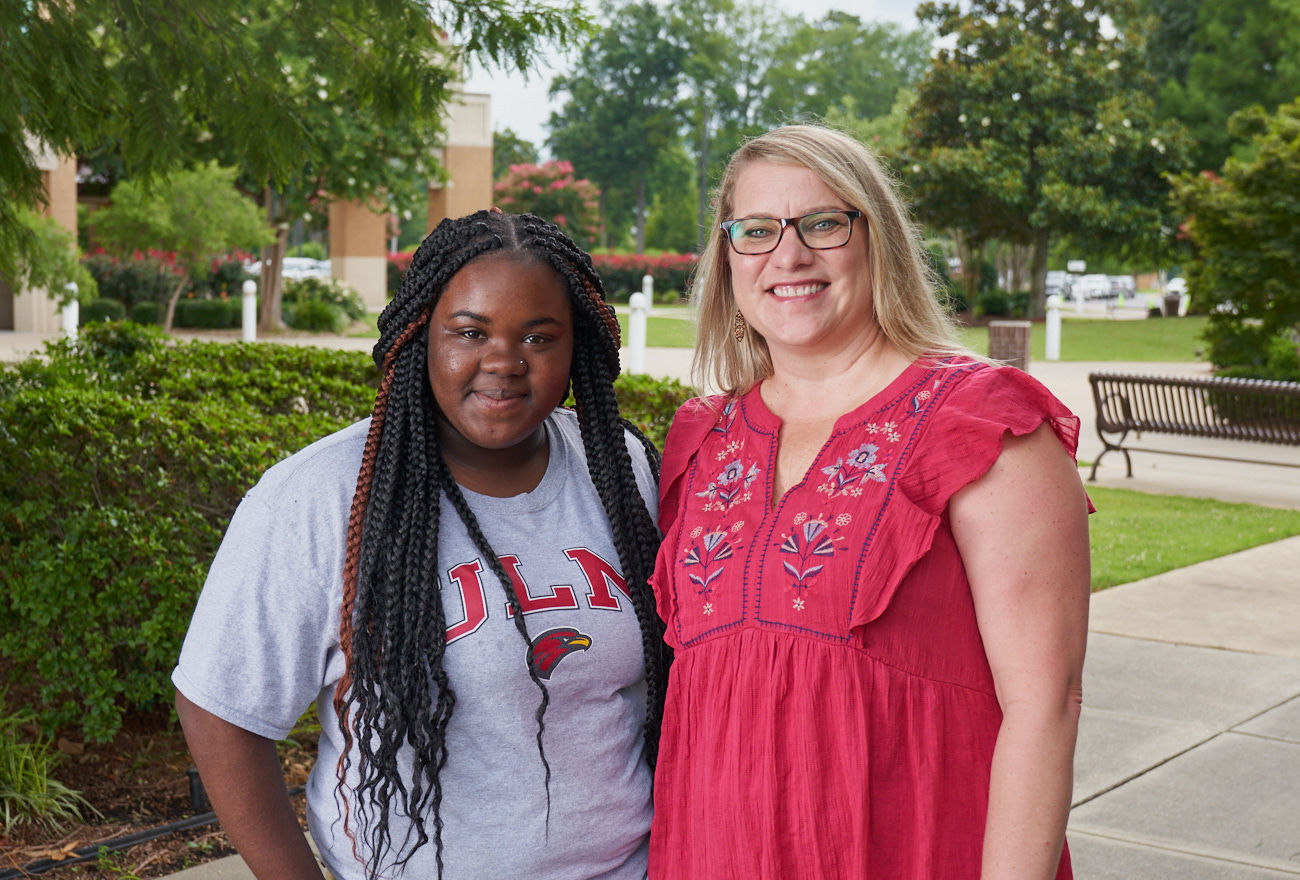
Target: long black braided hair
(394, 691)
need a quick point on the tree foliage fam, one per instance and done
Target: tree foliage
(1038, 122)
(302, 97)
(1245, 230)
(51, 261)
(508, 148)
(197, 215)
(843, 63)
(621, 110)
(1216, 57)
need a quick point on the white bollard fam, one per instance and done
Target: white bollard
(1053, 347)
(71, 314)
(248, 318)
(636, 325)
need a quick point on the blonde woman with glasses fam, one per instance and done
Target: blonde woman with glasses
(875, 573)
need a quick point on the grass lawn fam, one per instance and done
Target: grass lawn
(1098, 339)
(663, 332)
(1136, 535)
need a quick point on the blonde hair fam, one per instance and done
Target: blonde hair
(902, 280)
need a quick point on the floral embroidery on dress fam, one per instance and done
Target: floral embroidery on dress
(811, 542)
(847, 475)
(728, 419)
(888, 429)
(730, 487)
(706, 551)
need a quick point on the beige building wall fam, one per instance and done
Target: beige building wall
(467, 157)
(32, 310)
(357, 251)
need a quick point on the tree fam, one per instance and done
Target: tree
(509, 149)
(884, 134)
(1235, 54)
(271, 83)
(671, 223)
(197, 214)
(728, 49)
(1036, 123)
(552, 192)
(840, 62)
(621, 110)
(1244, 228)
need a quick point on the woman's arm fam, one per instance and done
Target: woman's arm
(1022, 531)
(241, 774)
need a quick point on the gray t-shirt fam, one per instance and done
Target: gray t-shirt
(264, 643)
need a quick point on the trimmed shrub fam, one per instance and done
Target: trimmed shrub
(1281, 363)
(650, 403)
(146, 313)
(122, 458)
(207, 314)
(321, 317)
(101, 310)
(622, 273)
(121, 461)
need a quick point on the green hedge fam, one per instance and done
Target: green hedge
(102, 309)
(207, 314)
(122, 458)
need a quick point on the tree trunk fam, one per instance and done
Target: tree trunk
(604, 226)
(172, 300)
(268, 320)
(640, 215)
(703, 232)
(1038, 274)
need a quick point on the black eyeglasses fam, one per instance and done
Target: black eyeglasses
(820, 231)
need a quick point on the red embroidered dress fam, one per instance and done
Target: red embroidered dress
(831, 712)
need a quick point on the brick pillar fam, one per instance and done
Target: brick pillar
(357, 251)
(1009, 342)
(467, 157)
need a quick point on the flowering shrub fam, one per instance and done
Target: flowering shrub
(147, 277)
(152, 276)
(622, 273)
(551, 192)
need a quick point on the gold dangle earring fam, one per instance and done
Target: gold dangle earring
(738, 326)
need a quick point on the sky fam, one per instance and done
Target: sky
(522, 104)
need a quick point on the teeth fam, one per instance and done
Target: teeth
(800, 290)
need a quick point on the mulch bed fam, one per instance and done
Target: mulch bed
(135, 783)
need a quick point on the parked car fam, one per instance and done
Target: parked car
(1123, 284)
(1061, 283)
(1093, 287)
(294, 268)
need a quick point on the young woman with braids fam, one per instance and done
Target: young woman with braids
(460, 583)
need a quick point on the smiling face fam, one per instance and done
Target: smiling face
(500, 351)
(802, 301)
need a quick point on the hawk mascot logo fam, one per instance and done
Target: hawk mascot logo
(552, 646)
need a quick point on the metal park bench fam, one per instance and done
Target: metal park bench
(1250, 410)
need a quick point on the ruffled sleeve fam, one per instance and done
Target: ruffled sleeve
(967, 424)
(691, 424)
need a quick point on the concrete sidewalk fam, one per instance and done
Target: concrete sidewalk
(1188, 764)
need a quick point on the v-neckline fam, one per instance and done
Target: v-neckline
(756, 412)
